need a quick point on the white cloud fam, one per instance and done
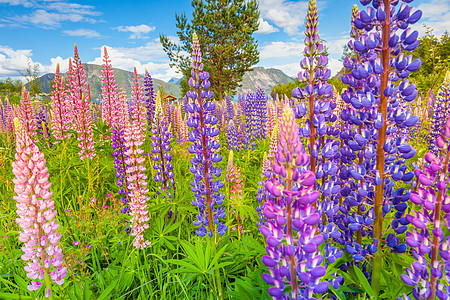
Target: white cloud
(281, 49)
(13, 63)
(265, 27)
(334, 65)
(82, 32)
(137, 32)
(435, 14)
(285, 14)
(291, 69)
(24, 3)
(50, 14)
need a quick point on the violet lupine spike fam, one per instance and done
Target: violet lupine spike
(208, 197)
(261, 113)
(42, 127)
(120, 158)
(37, 214)
(249, 121)
(149, 98)
(230, 109)
(62, 117)
(81, 108)
(110, 105)
(292, 254)
(232, 140)
(433, 196)
(318, 94)
(161, 152)
(441, 110)
(26, 114)
(378, 111)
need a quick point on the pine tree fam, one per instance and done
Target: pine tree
(225, 29)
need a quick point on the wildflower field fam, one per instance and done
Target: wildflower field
(319, 194)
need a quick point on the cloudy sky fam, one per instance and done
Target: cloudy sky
(45, 31)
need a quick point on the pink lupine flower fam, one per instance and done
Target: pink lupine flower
(110, 105)
(81, 107)
(138, 113)
(26, 114)
(62, 117)
(124, 115)
(36, 214)
(136, 181)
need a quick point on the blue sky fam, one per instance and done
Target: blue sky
(45, 31)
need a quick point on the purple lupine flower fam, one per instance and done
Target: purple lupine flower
(292, 240)
(208, 197)
(120, 158)
(232, 140)
(374, 149)
(317, 116)
(43, 128)
(261, 113)
(161, 151)
(149, 98)
(433, 196)
(441, 110)
(230, 109)
(36, 214)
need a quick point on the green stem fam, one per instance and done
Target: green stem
(379, 194)
(48, 284)
(217, 272)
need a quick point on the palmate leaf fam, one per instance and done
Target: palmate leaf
(199, 259)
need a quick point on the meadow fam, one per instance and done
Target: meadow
(318, 194)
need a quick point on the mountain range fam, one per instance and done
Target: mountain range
(266, 78)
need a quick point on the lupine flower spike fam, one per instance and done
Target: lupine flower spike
(81, 108)
(36, 215)
(292, 241)
(208, 197)
(62, 117)
(429, 279)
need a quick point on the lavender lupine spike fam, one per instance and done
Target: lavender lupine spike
(433, 195)
(317, 115)
(149, 98)
(292, 254)
(161, 151)
(42, 127)
(208, 197)
(441, 110)
(120, 158)
(261, 111)
(37, 215)
(378, 95)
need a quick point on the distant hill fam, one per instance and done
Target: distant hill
(266, 78)
(123, 78)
